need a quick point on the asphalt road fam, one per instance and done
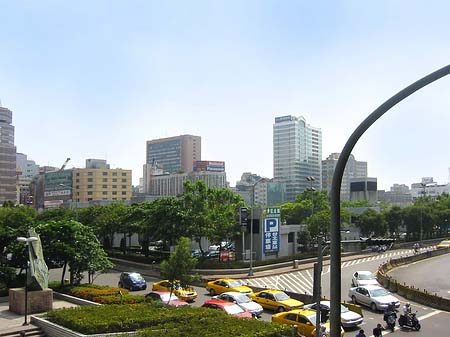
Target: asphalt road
(434, 322)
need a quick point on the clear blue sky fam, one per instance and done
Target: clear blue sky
(97, 79)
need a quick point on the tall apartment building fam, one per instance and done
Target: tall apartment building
(297, 154)
(174, 154)
(101, 184)
(26, 167)
(7, 157)
(353, 169)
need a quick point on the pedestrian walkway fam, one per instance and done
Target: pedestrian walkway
(11, 321)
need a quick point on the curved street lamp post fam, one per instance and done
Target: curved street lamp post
(335, 259)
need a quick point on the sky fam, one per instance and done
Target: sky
(97, 79)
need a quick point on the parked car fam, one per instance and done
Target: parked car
(375, 297)
(364, 278)
(304, 319)
(276, 300)
(223, 285)
(443, 244)
(349, 319)
(184, 293)
(132, 281)
(227, 307)
(166, 298)
(243, 301)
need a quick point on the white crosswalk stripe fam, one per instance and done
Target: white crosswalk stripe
(302, 281)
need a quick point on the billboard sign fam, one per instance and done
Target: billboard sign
(271, 237)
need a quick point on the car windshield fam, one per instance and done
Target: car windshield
(378, 292)
(233, 309)
(366, 277)
(165, 297)
(242, 299)
(312, 319)
(344, 309)
(281, 296)
(136, 277)
(235, 284)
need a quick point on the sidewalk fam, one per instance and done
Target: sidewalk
(10, 320)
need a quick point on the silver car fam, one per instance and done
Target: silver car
(349, 319)
(243, 301)
(375, 297)
(364, 278)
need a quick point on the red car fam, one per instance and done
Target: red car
(228, 307)
(166, 298)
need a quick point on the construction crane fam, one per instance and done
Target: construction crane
(64, 165)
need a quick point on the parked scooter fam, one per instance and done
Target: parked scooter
(409, 321)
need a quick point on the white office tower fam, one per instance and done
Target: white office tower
(297, 155)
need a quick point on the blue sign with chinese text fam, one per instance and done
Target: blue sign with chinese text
(271, 239)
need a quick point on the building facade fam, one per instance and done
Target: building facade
(353, 169)
(26, 167)
(174, 154)
(428, 188)
(173, 184)
(96, 184)
(297, 154)
(364, 189)
(8, 189)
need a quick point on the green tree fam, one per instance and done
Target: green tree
(180, 264)
(371, 222)
(394, 218)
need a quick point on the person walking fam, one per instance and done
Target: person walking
(377, 332)
(361, 333)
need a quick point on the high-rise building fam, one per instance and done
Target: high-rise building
(7, 157)
(174, 154)
(297, 154)
(26, 167)
(353, 169)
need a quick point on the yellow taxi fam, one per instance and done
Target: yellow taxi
(276, 300)
(184, 293)
(224, 285)
(305, 319)
(443, 244)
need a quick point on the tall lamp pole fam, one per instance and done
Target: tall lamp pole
(250, 270)
(335, 259)
(26, 241)
(76, 203)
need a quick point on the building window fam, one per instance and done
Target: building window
(105, 192)
(78, 174)
(77, 187)
(89, 186)
(124, 174)
(104, 186)
(90, 193)
(90, 180)
(114, 173)
(114, 186)
(114, 180)
(105, 180)
(124, 180)
(114, 192)
(124, 192)
(105, 173)
(291, 237)
(78, 180)
(89, 199)
(90, 173)
(124, 186)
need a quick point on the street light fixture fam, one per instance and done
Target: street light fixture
(76, 204)
(26, 241)
(311, 179)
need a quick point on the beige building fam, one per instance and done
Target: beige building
(92, 184)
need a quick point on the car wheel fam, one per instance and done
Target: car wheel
(212, 292)
(354, 300)
(280, 309)
(120, 285)
(373, 306)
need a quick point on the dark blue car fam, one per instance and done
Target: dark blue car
(132, 281)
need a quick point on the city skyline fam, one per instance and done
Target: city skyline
(82, 86)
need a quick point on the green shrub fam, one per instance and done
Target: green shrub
(184, 321)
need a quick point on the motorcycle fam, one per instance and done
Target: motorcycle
(390, 317)
(409, 321)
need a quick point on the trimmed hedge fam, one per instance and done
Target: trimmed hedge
(102, 294)
(183, 321)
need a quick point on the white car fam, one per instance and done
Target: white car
(243, 301)
(349, 319)
(375, 297)
(364, 278)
